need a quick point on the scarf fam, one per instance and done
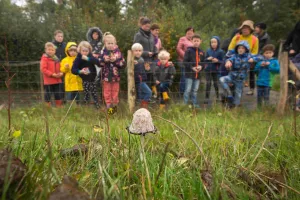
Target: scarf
(54, 58)
(145, 32)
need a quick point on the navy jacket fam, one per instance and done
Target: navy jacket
(79, 64)
(139, 71)
(189, 61)
(60, 49)
(218, 53)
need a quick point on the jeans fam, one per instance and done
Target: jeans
(191, 89)
(263, 93)
(182, 77)
(163, 87)
(238, 85)
(143, 91)
(73, 95)
(55, 89)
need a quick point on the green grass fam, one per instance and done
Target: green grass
(230, 140)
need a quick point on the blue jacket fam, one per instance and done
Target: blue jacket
(265, 74)
(240, 64)
(139, 71)
(218, 53)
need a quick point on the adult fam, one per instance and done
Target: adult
(182, 45)
(94, 37)
(155, 32)
(146, 39)
(292, 43)
(262, 35)
(246, 33)
(59, 44)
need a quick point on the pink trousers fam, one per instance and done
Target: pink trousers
(111, 93)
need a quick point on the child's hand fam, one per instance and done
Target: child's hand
(267, 63)
(251, 60)
(157, 82)
(135, 62)
(228, 65)
(54, 75)
(292, 51)
(170, 63)
(106, 58)
(147, 66)
(67, 65)
(263, 64)
(215, 60)
(113, 58)
(150, 54)
(95, 55)
(84, 57)
(195, 69)
(210, 58)
(199, 67)
(60, 74)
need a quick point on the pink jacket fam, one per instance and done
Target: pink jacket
(158, 45)
(182, 46)
(48, 67)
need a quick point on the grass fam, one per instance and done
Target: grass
(115, 165)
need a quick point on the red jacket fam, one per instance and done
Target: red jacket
(48, 67)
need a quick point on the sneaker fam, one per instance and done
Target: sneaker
(196, 106)
(250, 92)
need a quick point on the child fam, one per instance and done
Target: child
(266, 70)
(51, 74)
(143, 91)
(73, 83)
(60, 45)
(214, 55)
(94, 36)
(111, 60)
(84, 66)
(239, 64)
(163, 76)
(192, 57)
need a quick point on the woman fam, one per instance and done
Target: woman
(155, 32)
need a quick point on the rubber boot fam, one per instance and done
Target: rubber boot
(162, 106)
(154, 91)
(58, 103)
(48, 104)
(165, 96)
(144, 104)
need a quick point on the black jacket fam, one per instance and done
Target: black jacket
(79, 64)
(189, 61)
(293, 39)
(164, 74)
(139, 71)
(60, 49)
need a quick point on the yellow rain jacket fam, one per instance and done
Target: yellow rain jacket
(72, 82)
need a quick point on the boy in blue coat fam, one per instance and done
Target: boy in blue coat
(238, 64)
(214, 55)
(266, 70)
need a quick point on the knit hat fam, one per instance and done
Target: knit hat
(247, 23)
(141, 123)
(261, 25)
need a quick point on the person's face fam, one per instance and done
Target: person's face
(110, 44)
(189, 34)
(246, 30)
(146, 27)
(50, 51)
(258, 30)
(59, 37)
(164, 60)
(196, 42)
(155, 32)
(214, 43)
(137, 53)
(72, 52)
(84, 51)
(241, 50)
(268, 54)
(95, 36)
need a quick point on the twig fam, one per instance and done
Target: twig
(161, 166)
(63, 120)
(262, 145)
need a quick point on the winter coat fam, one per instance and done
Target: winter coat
(252, 40)
(240, 64)
(190, 62)
(139, 71)
(72, 82)
(217, 53)
(146, 39)
(263, 40)
(266, 74)
(96, 44)
(60, 49)
(79, 64)
(164, 73)
(110, 71)
(48, 66)
(293, 39)
(182, 46)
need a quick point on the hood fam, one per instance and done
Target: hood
(264, 37)
(69, 44)
(218, 40)
(90, 33)
(159, 64)
(244, 44)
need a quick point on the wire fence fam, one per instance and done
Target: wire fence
(26, 87)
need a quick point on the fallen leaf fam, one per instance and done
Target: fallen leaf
(182, 160)
(97, 129)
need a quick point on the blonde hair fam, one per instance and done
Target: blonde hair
(84, 44)
(108, 36)
(163, 54)
(50, 44)
(137, 46)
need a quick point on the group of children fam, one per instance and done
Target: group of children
(80, 68)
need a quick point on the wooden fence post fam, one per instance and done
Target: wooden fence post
(131, 83)
(284, 66)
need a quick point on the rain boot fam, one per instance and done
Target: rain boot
(165, 96)
(48, 104)
(58, 103)
(154, 91)
(162, 106)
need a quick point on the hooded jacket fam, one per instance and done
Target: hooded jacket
(217, 53)
(60, 49)
(164, 73)
(139, 71)
(263, 40)
(110, 71)
(293, 39)
(146, 39)
(266, 74)
(79, 64)
(96, 44)
(48, 66)
(189, 61)
(72, 82)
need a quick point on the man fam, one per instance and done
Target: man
(262, 35)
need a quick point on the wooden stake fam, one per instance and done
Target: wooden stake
(284, 62)
(131, 83)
